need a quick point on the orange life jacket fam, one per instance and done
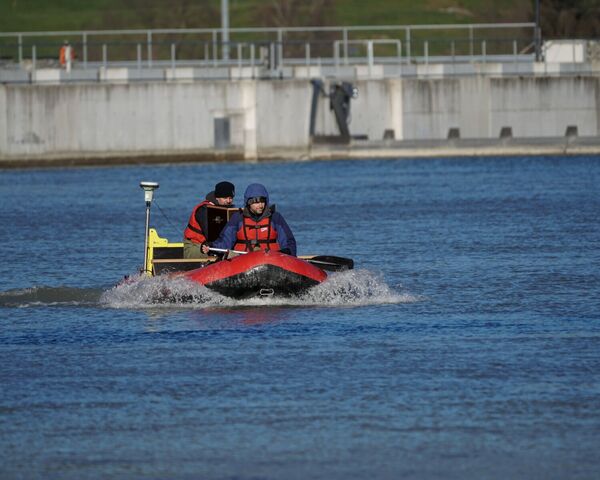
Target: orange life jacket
(193, 230)
(256, 234)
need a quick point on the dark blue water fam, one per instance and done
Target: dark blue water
(466, 344)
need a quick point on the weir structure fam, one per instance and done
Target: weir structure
(174, 95)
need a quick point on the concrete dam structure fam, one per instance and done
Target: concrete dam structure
(250, 119)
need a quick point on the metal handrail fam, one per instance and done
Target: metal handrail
(467, 26)
(149, 48)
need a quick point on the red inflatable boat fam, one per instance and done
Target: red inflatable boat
(252, 274)
(259, 273)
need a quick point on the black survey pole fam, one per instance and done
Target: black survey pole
(538, 33)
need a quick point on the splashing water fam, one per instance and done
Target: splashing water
(142, 291)
(353, 288)
(350, 288)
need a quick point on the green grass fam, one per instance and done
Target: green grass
(60, 15)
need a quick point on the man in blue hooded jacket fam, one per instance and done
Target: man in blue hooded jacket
(257, 227)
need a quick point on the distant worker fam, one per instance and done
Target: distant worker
(257, 227)
(66, 56)
(194, 235)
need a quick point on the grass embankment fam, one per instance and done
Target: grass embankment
(60, 15)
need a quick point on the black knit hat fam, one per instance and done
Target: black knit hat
(224, 189)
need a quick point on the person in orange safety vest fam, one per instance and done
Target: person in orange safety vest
(66, 55)
(193, 236)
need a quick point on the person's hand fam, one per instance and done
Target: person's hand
(205, 248)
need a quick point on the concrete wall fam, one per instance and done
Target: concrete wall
(480, 107)
(545, 106)
(75, 120)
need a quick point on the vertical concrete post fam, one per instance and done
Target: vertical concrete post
(279, 49)
(395, 91)
(20, 49)
(85, 52)
(471, 48)
(69, 58)
(345, 39)
(370, 57)
(149, 46)
(214, 42)
(248, 93)
(225, 28)
(307, 53)
(173, 59)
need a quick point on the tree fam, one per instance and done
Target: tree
(570, 18)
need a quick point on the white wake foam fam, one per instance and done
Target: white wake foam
(350, 288)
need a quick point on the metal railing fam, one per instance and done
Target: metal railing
(275, 47)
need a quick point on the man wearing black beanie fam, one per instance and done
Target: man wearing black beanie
(194, 235)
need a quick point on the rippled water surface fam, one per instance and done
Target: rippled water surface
(466, 344)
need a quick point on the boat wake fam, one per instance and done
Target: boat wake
(349, 288)
(50, 297)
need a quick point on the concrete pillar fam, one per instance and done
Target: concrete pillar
(248, 89)
(396, 114)
(597, 107)
(3, 122)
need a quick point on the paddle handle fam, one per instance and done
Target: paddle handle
(224, 250)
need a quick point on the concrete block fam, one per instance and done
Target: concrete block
(431, 70)
(364, 71)
(488, 69)
(80, 75)
(242, 73)
(46, 75)
(14, 76)
(114, 75)
(304, 71)
(179, 74)
(211, 73)
(460, 69)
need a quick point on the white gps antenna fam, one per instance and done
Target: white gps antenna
(149, 188)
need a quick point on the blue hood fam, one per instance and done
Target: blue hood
(255, 190)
